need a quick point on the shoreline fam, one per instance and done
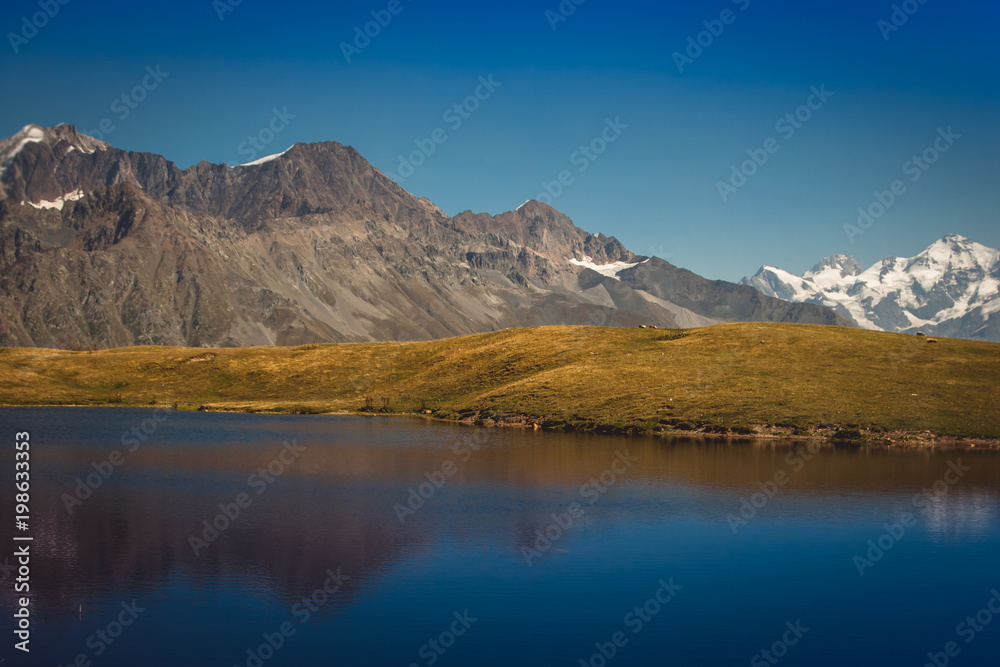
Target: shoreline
(860, 437)
(729, 380)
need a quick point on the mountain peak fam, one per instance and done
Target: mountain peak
(845, 265)
(311, 244)
(10, 147)
(533, 206)
(32, 133)
(949, 289)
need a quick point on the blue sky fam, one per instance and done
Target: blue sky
(562, 81)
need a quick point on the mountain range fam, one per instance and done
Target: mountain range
(100, 247)
(950, 289)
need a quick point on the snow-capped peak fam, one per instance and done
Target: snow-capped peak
(953, 287)
(11, 146)
(844, 264)
(63, 135)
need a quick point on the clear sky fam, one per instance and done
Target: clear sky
(562, 75)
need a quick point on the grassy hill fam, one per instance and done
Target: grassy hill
(742, 378)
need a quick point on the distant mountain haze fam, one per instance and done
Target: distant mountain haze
(101, 247)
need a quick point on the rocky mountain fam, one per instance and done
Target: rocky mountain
(950, 289)
(101, 247)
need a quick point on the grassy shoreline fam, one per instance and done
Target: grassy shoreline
(745, 380)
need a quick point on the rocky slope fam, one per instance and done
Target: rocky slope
(950, 289)
(100, 247)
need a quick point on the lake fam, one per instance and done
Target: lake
(179, 538)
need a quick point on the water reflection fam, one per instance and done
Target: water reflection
(481, 497)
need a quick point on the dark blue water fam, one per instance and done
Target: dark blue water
(648, 559)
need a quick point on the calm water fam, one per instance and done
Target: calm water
(469, 577)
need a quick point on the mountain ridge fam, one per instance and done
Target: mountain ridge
(952, 288)
(101, 247)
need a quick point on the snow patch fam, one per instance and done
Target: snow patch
(991, 307)
(610, 270)
(266, 158)
(58, 203)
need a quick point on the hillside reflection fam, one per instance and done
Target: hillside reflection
(334, 507)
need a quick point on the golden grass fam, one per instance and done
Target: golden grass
(734, 376)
